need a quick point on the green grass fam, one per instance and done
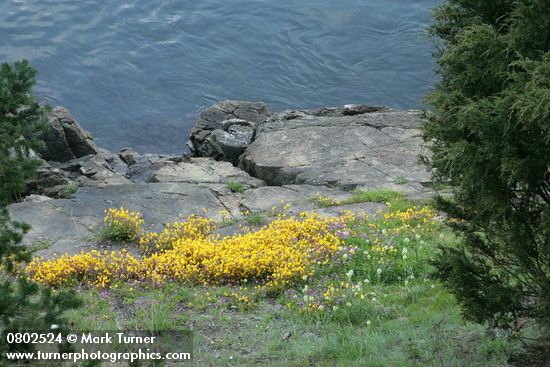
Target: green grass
(405, 319)
(39, 245)
(424, 328)
(400, 180)
(437, 186)
(255, 219)
(382, 195)
(70, 189)
(236, 186)
(360, 196)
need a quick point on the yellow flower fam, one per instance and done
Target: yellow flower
(282, 253)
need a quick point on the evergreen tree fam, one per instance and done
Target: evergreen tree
(24, 306)
(490, 138)
(22, 120)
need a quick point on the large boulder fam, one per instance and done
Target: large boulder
(350, 147)
(65, 139)
(222, 119)
(232, 141)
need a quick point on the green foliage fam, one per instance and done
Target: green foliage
(21, 121)
(255, 219)
(121, 225)
(455, 15)
(25, 306)
(400, 180)
(382, 195)
(490, 136)
(11, 234)
(235, 186)
(414, 313)
(70, 189)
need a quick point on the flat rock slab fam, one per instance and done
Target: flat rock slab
(203, 170)
(70, 225)
(66, 225)
(360, 209)
(301, 198)
(368, 150)
(157, 168)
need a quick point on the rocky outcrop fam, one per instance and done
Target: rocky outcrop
(232, 141)
(204, 170)
(65, 139)
(301, 198)
(69, 225)
(48, 181)
(342, 147)
(224, 130)
(158, 168)
(346, 110)
(300, 154)
(101, 169)
(129, 156)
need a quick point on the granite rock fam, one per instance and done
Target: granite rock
(65, 139)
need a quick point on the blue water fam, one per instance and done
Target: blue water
(137, 72)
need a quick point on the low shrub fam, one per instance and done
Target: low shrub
(194, 228)
(286, 251)
(255, 219)
(235, 186)
(121, 225)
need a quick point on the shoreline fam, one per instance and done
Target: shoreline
(247, 160)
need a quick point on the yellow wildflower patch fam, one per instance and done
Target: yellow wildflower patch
(325, 201)
(94, 268)
(193, 228)
(285, 251)
(122, 225)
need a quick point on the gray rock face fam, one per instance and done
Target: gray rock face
(147, 165)
(65, 139)
(301, 154)
(101, 169)
(218, 117)
(341, 148)
(49, 181)
(300, 198)
(346, 110)
(129, 156)
(69, 225)
(230, 144)
(204, 171)
(154, 168)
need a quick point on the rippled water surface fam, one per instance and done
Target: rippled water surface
(137, 72)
